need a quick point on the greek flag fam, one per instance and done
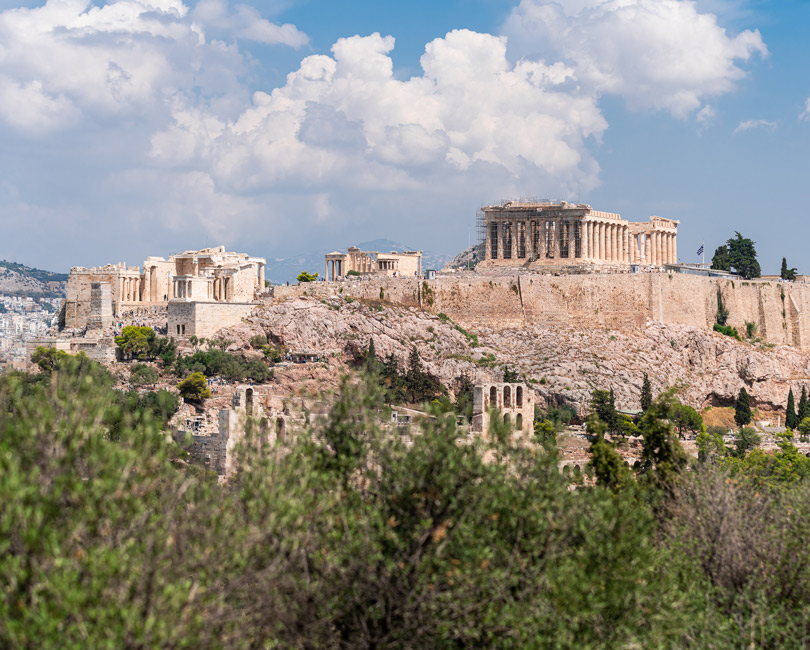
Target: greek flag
(700, 250)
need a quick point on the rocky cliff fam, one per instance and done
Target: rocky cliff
(562, 364)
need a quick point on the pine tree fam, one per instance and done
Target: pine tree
(371, 357)
(790, 415)
(742, 409)
(804, 406)
(646, 393)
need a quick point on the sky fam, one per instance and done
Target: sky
(133, 128)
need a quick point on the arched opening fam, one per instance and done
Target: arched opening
(519, 396)
(249, 401)
(519, 422)
(507, 397)
(506, 419)
(280, 428)
(493, 397)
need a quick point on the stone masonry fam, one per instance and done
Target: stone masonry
(513, 402)
(547, 233)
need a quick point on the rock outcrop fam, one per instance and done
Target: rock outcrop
(562, 364)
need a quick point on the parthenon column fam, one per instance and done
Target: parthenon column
(671, 249)
(612, 242)
(674, 248)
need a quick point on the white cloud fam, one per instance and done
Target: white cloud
(70, 58)
(706, 114)
(657, 54)
(805, 114)
(747, 125)
(470, 107)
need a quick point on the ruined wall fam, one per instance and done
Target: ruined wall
(204, 319)
(780, 310)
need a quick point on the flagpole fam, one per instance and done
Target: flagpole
(703, 254)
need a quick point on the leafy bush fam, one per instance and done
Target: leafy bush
(194, 388)
(143, 375)
(258, 341)
(214, 362)
(727, 330)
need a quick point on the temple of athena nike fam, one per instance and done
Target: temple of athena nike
(550, 233)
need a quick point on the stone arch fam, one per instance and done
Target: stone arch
(519, 422)
(519, 397)
(506, 419)
(507, 397)
(249, 401)
(493, 397)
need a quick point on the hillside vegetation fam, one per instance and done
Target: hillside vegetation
(347, 537)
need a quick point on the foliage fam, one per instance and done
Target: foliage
(685, 418)
(603, 406)
(307, 277)
(48, 358)
(194, 388)
(560, 416)
(646, 393)
(804, 429)
(728, 331)
(785, 273)
(142, 343)
(258, 341)
(746, 439)
(742, 257)
(351, 272)
(464, 396)
(742, 408)
(720, 260)
(791, 420)
(510, 376)
(750, 329)
(545, 432)
(721, 315)
(662, 457)
(606, 464)
(710, 445)
(135, 342)
(804, 405)
(213, 362)
(143, 375)
(348, 537)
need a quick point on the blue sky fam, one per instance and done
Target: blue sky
(145, 127)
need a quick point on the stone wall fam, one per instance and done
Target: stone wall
(780, 310)
(204, 319)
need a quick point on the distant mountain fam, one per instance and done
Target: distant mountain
(467, 259)
(286, 269)
(20, 280)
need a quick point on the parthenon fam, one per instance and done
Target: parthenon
(549, 233)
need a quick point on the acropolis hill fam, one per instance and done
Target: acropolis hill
(503, 299)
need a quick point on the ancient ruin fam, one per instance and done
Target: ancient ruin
(513, 402)
(213, 276)
(357, 262)
(548, 233)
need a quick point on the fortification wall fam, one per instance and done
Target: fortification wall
(780, 310)
(204, 318)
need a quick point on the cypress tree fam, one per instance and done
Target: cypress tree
(646, 393)
(371, 357)
(742, 409)
(790, 414)
(804, 406)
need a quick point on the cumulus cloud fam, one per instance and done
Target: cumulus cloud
(470, 107)
(656, 54)
(747, 125)
(69, 58)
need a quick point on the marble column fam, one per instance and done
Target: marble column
(586, 249)
(674, 248)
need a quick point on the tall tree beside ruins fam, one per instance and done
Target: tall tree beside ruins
(790, 415)
(720, 259)
(785, 273)
(739, 255)
(742, 257)
(804, 406)
(646, 393)
(742, 409)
